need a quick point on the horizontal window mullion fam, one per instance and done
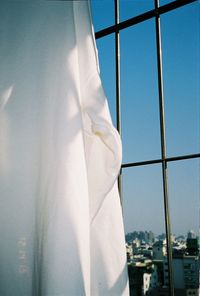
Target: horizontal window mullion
(155, 161)
(142, 17)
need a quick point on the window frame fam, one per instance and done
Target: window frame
(164, 160)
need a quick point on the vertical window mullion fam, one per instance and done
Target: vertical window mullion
(117, 84)
(163, 149)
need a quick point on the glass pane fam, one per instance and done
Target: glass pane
(106, 52)
(143, 206)
(163, 2)
(184, 192)
(131, 8)
(102, 13)
(181, 66)
(140, 112)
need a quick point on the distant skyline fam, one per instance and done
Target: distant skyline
(138, 232)
(185, 234)
(142, 186)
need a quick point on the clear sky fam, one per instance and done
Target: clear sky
(142, 186)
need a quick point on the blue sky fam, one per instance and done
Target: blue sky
(142, 186)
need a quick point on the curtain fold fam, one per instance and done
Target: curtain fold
(61, 225)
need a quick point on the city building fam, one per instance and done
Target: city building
(129, 252)
(191, 234)
(150, 281)
(148, 266)
(159, 250)
(186, 274)
(192, 246)
(143, 278)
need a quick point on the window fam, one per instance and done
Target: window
(160, 186)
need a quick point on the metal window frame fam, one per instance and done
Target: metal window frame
(164, 160)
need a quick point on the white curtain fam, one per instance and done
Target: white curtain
(61, 228)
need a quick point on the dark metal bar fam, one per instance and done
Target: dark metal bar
(155, 161)
(163, 149)
(117, 86)
(143, 17)
(183, 157)
(117, 65)
(141, 163)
